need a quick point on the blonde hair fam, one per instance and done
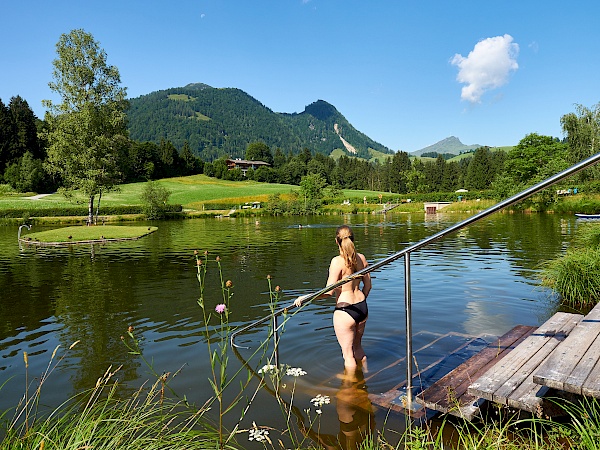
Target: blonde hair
(345, 239)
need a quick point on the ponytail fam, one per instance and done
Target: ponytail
(345, 240)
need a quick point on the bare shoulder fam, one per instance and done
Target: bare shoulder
(363, 259)
(337, 261)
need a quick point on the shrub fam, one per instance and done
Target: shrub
(155, 197)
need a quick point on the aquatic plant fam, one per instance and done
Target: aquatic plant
(575, 276)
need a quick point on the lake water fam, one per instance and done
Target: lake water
(481, 280)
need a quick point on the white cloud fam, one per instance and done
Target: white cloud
(488, 66)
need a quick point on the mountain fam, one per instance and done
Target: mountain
(449, 145)
(223, 121)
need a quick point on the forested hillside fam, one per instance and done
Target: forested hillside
(222, 122)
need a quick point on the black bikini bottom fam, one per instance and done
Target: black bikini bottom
(357, 311)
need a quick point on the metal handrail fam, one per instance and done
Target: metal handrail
(411, 248)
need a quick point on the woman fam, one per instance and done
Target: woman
(350, 315)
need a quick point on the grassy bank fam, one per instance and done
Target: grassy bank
(199, 195)
(88, 234)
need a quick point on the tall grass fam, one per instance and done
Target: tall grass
(575, 276)
(99, 419)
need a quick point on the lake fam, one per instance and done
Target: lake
(482, 280)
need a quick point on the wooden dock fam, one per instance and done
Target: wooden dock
(510, 381)
(450, 394)
(574, 366)
(561, 358)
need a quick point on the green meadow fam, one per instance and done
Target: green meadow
(193, 192)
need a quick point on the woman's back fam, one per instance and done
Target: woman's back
(349, 292)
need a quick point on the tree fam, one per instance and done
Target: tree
(259, 151)
(583, 133)
(155, 197)
(87, 131)
(312, 185)
(7, 133)
(480, 173)
(192, 164)
(399, 165)
(24, 120)
(27, 174)
(533, 159)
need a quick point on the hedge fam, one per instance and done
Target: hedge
(12, 213)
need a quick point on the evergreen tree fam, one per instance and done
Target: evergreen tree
(480, 173)
(192, 164)
(24, 120)
(400, 164)
(7, 134)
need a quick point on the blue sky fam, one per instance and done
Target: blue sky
(406, 73)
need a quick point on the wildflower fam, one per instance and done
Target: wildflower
(196, 252)
(220, 308)
(320, 400)
(268, 368)
(257, 434)
(318, 411)
(269, 277)
(198, 262)
(277, 289)
(218, 259)
(295, 372)
(229, 284)
(205, 252)
(130, 329)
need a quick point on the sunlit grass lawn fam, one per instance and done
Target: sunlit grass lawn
(191, 192)
(84, 233)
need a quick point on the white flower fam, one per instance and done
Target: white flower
(268, 368)
(320, 400)
(318, 411)
(295, 372)
(257, 434)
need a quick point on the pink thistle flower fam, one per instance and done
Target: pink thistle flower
(220, 308)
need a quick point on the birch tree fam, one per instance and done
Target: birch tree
(87, 129)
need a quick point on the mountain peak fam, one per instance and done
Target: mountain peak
(198, 86)
(321, 110)
(451, 144)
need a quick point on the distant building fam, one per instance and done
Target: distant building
(433, 207)
(244, 165)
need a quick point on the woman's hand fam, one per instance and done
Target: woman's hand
(298, 302)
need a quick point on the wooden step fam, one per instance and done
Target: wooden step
(510, 381)
(574, 365)
(449, 395)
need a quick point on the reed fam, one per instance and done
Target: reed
(575, 276)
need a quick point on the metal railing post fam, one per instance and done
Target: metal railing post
(409, 351)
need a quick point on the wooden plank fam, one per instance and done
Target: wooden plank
(499, 376)
(555, 372)
(581, 372)
(591, 386)
(521, 382)
(448, 395)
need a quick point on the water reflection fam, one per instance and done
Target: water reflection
(355, 414)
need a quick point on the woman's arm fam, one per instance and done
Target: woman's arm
(366, 278)
(335, 274)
